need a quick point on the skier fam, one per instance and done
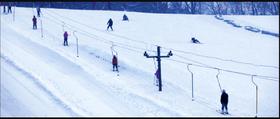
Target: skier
(9, 9)
(115, 63)
(195, 40)
(125, 18)
(4, 10)
(224, 101)
(34, 22)
(65, 43)
(157, 75)
(38, 11)
(110, 24)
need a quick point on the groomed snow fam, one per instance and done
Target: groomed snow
(41, 77)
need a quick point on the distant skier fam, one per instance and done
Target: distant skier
(4, 10)
(65, 35)
(34, 22)
(224, 101)
(195, 40)
(157, 75)
(110, 24)
(115, 63)
(9, 9)
(125, 18)
(38, 11)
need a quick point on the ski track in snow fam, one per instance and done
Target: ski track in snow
(40, 85)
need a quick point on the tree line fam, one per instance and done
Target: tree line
(209, 8)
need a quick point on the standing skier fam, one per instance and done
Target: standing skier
(125, 18)
(115, 63)
(224, 101)
(9, 8)
(38, 11)
(110, 24)
(34, 22)
(4, 10)
(65, 35)
(157, 76)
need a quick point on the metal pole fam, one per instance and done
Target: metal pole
(41, 27)
(14, 13)
(217, 76)
(63, 26)
(256, 94)
(192, 81)
(76, 43)
(159, 67)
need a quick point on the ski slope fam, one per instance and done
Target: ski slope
(41, 77)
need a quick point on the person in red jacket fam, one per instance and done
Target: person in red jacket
(34, 22)
(115, 63)
(65, 43)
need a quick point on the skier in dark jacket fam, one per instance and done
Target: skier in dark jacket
(115, 63)
(38, 11)
(34, 22)
(9, 8)
(125, 18)
(195, 40)
(65, 35)
(4, 10)
(110, 24)
(224, 101)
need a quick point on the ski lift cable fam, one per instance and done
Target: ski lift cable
(265, 77)
(116, 35)
(261, 76)
(104, 38)
(241, 73)
(170, 48)
(106, 42)
(223, 69)
(185, 52)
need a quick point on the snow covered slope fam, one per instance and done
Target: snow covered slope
(41, 77)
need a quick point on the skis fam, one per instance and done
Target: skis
(117, 72)
(223, 113)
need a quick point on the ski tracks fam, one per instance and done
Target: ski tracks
(40, 85)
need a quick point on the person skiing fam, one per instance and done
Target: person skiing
(157, 76)
(9, 9)
(115, 63)
(110, 24)
(125, 18)
(224, 101)
(38, 11)
(195, 40)
(65, 35)
(34, 22)
(4, 10)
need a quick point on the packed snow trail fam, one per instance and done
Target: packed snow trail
(24, 81)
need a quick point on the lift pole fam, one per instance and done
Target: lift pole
(159, 64)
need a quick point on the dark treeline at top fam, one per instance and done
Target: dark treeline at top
(211, 8)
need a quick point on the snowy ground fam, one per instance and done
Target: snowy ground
(41, 77)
